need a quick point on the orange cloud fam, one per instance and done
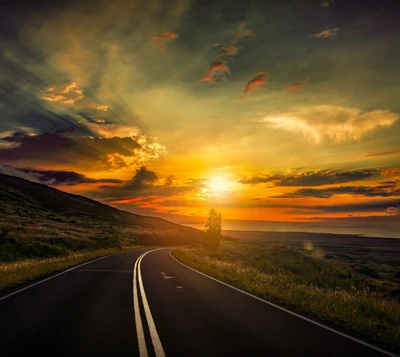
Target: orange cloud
(258, 80)
(216, 71)
(163, 36)
(390, 172)
(327, 33)
(296, 86)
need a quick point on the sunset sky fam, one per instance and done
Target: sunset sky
(282, 115)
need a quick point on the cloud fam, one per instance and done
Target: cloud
(245, 33)
(381, 153)
(368, 191)
(216, 71)
(329, 122)
(296, 86)
(241, 34)
(226, 49)
(327, 3)
(393, 211)
(163, 37)
(69, 94)
(313, 178)
(52, 177)
(143, 179)
(66, 147)
(327, 33)
(390, 172)
(258, 80)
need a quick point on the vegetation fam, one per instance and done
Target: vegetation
(214, 227)
(37, 221)
(17, 272)
(347, 293)
(43, 229)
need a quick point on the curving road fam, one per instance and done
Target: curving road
(144, 303)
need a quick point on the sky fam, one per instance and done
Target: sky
(282, 115)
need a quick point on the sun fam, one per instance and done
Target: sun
(218, 185)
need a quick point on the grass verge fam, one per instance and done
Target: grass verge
(18, 272)
(347, 294)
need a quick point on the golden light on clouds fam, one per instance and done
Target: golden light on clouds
(69, 94)
(328, 122)
(316, 136)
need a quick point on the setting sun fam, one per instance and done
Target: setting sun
(219, 185)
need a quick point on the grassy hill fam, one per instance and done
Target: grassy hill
(37, 221)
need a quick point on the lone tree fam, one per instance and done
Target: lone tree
(213, 225)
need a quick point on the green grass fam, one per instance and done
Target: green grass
(353, 295)
(13, 273)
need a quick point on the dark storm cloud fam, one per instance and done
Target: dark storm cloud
(52, 177)
(314, 178)
(143, 179)
(368, 191)
(57, 147)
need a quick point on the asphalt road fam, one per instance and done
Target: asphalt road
(154, 306)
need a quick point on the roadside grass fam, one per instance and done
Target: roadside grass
(17, 272)
(359, 297)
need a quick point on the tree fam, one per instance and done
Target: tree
(214, 226)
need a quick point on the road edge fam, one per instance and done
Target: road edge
(55, 275)
(378, 349)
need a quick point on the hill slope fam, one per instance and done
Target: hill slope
(40, 221)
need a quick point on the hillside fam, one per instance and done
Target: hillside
(40, 221)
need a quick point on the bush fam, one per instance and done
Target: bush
(212, 241)
(13, 249)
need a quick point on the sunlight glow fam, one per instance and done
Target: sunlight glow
(218, 185)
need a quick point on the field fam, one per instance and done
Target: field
(43, 230)
(382, 250)
(342, 283)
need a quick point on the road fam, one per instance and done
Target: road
(131, 304)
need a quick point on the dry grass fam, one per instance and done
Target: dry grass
(22, 271)
(349, 294)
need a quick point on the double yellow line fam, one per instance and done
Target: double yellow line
(138, 288)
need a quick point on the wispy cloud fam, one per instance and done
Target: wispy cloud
(313, 178)
(245, 33)
(327, 33)
(226, 49)
(218, 68)
(368, 191)
(258, 80)
(321, 122)
(387, 152)
(296, 86)
(216, 71)
(69, 94)
(164, 36)
(52, 177)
